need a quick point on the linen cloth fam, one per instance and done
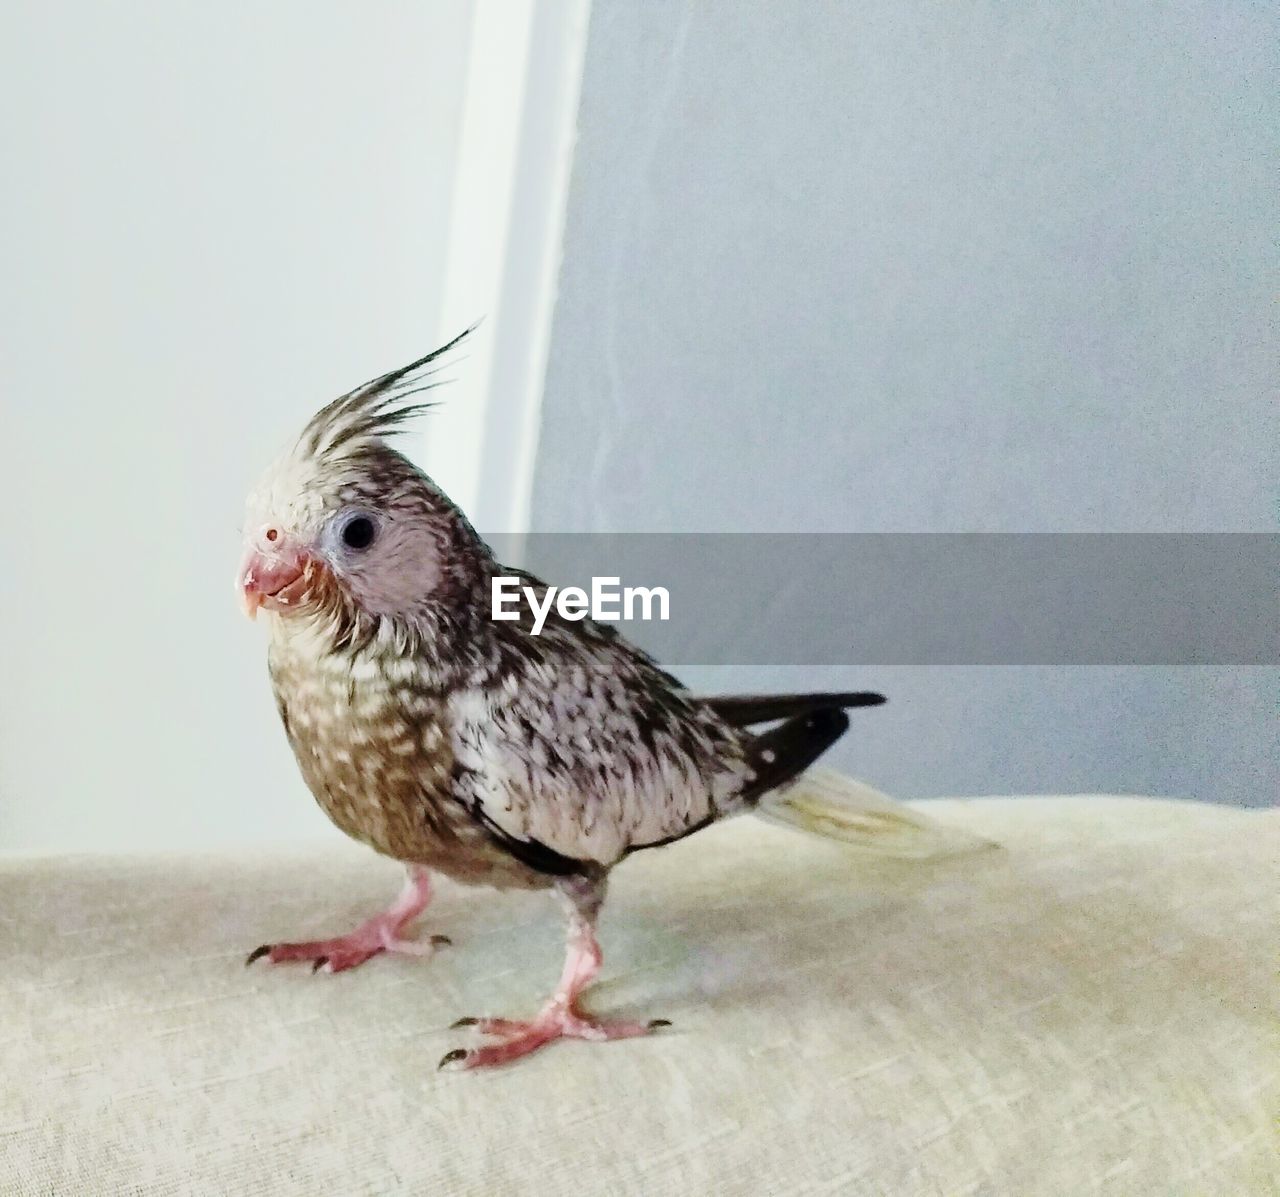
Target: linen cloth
(1091, 1008)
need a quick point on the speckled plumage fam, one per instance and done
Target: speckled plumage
(483, 747)
(448, 740)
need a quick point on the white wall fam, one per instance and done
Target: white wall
(213, 220)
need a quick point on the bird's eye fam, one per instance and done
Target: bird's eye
(358, 532)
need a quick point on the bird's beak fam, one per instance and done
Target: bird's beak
(276, 580)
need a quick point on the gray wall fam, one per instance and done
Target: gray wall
(946, 267)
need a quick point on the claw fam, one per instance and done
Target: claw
(452, 1057)
(654, 1023)
(257, 954)
(464, 1022)
(319, 964)
(441, 940)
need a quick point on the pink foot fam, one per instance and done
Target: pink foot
(554, 1021)
(560, 1018)
(382, 933)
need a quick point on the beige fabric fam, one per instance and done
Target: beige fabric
(1091, 1009)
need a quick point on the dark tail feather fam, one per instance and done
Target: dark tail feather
(783, 753)
(745, 710)
(775, 758)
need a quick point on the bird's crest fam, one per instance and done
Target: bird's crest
(363, 418)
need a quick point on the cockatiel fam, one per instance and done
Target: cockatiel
(456, 743)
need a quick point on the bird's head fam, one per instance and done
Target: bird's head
(344, 524)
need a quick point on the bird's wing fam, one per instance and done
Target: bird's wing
(580, 749)
(586, 763)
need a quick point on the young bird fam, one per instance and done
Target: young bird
(455, 743)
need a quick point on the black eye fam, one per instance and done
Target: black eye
(359, 532)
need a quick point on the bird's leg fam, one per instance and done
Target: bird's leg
(382, 933)
(561, 1017)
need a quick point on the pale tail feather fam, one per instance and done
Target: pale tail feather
(829, 804)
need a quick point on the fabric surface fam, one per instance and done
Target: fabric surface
(1090, 1009)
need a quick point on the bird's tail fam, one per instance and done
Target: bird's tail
(826, 803)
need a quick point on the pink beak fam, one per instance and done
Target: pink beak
(275, 580)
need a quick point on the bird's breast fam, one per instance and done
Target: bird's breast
(372, 744)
